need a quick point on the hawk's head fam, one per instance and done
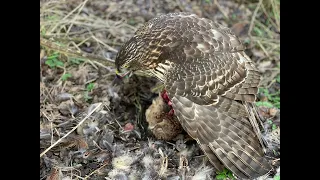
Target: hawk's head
(140, 53)
(129, 55)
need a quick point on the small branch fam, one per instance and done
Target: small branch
(51, 45)
(220, 9)
(106, 45)
(95, 171)
(57, 142)
(75, 17)
(254, 17)
(69, 14)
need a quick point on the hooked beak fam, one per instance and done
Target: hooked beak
(124, 73)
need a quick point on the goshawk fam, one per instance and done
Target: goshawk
(210, 82)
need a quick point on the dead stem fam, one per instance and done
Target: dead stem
(51, 45)
(74, 128)
(95, 170)
(254, 17)
(75, 17)
(220, 9)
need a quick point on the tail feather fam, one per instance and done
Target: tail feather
(223, 136)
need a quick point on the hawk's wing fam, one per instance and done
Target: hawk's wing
(204, 94)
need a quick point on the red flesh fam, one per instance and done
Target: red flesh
(166, 99)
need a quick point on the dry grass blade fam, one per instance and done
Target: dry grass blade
(109, 47)
(265, 27)
(221, 9)
(57, 142)
(254, 17)
(69, 14)
(76, 30)
(276, 13)
(75, 17)
(95, 171)
(51, 45)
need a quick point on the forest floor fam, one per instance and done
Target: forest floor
(94, 128)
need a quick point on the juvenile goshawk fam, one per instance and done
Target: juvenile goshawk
(210, 82)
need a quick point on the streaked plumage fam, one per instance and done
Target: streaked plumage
(210, 81)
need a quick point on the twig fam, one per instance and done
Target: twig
(266, 40)
(75, 17)
(69, 14)
(180, 6)
(274, 161)
(276, 14)
(220, 9)
(151, 6)
(51, 127)
(95, 171)
(106, 45)
(51, 45)
(270, 19)
(57, 142)
(42, 54)
(266, 29)
(254, 17)
(263, 49)
(272, 78)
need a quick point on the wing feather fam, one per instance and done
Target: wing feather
(231, 141)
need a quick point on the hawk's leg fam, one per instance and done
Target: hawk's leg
(166, 99)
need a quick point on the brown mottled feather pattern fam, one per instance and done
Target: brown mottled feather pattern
(208, 77)
(162, 125)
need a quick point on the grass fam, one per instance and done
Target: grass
(89, 88)
(264, 32)
(272, 100)
(65, 77)
(273, 125)
(53, 60)
(277, 177)
(265, 28)
(224, 175)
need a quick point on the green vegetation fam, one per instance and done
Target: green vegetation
(224, 174)
(273, 99)
(89, 88)
(65, 76)
(53, 61)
